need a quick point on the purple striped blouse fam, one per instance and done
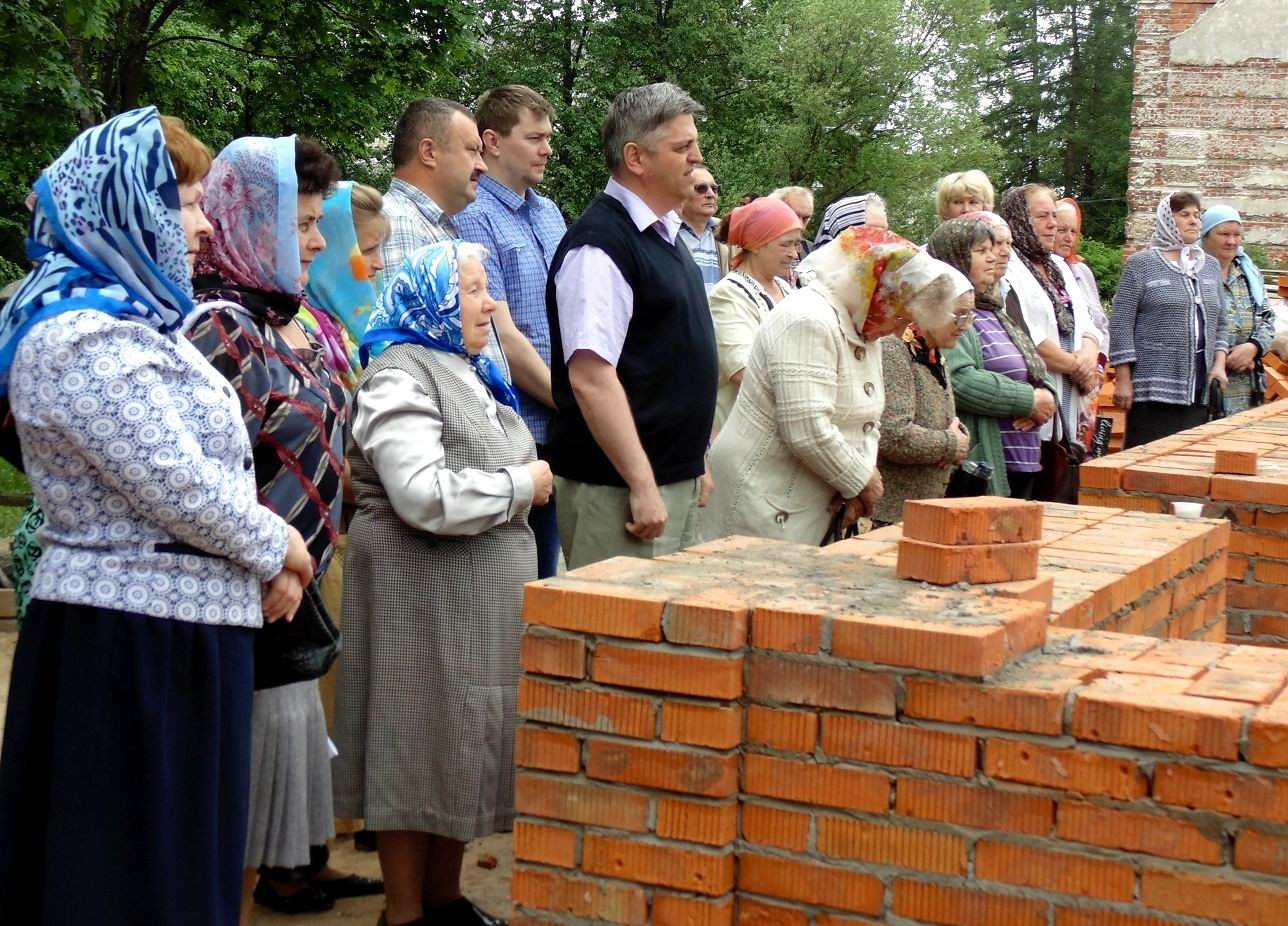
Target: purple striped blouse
(1021, 449)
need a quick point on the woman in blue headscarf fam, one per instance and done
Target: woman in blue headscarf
(444, 472)
(123, 777)
(1250, 319)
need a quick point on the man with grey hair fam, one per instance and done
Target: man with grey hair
(633, 354)
(801, 201)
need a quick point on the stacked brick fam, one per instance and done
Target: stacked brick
(1185, 468)
(759, 733)
(972, 540)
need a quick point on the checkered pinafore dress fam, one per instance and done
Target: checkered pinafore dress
(430, 666)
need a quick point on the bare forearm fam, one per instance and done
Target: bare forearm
(1059, 360)
(603, 404)
(529, 371)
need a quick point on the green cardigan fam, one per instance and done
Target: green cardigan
(982, 398)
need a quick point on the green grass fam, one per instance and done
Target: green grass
(11, 481)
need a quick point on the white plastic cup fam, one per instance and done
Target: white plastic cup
(1187, 509)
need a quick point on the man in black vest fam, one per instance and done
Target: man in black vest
(633, 355)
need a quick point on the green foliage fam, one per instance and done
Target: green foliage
(1106, 263)
(1258, 255)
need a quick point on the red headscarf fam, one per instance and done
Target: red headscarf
(759, 222)
(1077, 227)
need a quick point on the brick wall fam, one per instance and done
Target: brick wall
(1181, 468)
(759, 733)
(1210, 113)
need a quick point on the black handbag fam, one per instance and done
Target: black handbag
(969, 480)
(1215, 401)
(1061, 473)
(299, 650)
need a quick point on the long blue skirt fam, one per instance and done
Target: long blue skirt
(124, 773)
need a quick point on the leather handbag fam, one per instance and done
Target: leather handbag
(299, 650)
(969, 480)
(1061, 467)
(1215, 401)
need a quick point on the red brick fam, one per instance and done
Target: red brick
(1237, 686)
(1215, 898)
(675, 671)
(963, 521)
(962, 906)
(594, 607)
(976, 564)
(1073, 770)
(581, 802)
(816, 785)
(582, 897)
(1163, 480)
(678, 910)
(773, 826)
(1153, 714)
(711, 823)
(810, 882)
(554, 654)
(545, 843)
(551, 750)
(689, 771)
(1270, 572)
(1235, 461)
(752, 912)
(1148, 833)
(698, 871)
(1033, 705)
(1255, 850)
(787, 624)
(781, 728)
(881, 742)
(1061, 872)
(776, 679)
(716, 618)
(1252, 796)
(596, 709)
(984, 808)
(885, 844)
(715, 725)
(1268, 736)
(1084, 917)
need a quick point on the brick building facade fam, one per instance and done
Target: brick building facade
(1210, 113)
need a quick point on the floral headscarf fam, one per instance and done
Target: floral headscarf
(1015, 210)
(340, 293)
(1167, 237)
(875, 275)
(422, 305)
(250, 200)
(105, 234)
(846, 212)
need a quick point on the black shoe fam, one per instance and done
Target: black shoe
(352, 886)
(460, 912)
(309, 900)
(365, 840)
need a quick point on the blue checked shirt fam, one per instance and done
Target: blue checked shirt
(521, 234)
(415, 220)
(704, 250)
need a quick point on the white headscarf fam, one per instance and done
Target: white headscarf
(1167, 237)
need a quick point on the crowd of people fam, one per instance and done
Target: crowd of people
(246, 389)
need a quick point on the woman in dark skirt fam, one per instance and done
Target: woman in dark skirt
(123, 776)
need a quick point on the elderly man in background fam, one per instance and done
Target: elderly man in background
(801, 201)
(698, 226)
(633, 354)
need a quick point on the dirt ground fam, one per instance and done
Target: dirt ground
(490, 889)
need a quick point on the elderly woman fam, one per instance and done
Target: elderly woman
(963, 192)
(123, 782)
(1056, 312)
(867, 210)
(264, 200)
(921, 437)
(1068, 234)
(999, 381)
(1168, 330)
(1250, 319)
(765, 235)
(803, 434)
(439, 550)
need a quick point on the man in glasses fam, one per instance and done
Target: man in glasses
(698, 228)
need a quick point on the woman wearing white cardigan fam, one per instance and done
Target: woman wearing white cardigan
(802, 437)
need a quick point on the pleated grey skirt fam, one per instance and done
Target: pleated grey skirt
(290, 777)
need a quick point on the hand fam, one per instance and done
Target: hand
(298, 560)
(1241, 358)
(1024, 424)
(706, 486)
(1122, 392)
(1043, 407)
(1082, 367)
(648, 513)
(282, 595)
(871, 493)
(853, 511)
(1218, 375)
(963, 440)
(543, 481)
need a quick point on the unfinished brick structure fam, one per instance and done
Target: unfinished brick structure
(1181, 468)
(1210, 113)
(759, 733)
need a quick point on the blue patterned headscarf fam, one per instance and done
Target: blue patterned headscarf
(421, 304)
(1219, 215)
(338, 280)
(106, 234)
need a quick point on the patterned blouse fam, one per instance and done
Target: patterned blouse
(1021, 450)
(1249, 323)
(295, 411)
(135, 453)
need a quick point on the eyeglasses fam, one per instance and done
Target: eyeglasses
(964, 320)
(705, 188)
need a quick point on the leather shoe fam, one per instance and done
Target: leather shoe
(308, 900)
(460, 912)
(351, 886)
